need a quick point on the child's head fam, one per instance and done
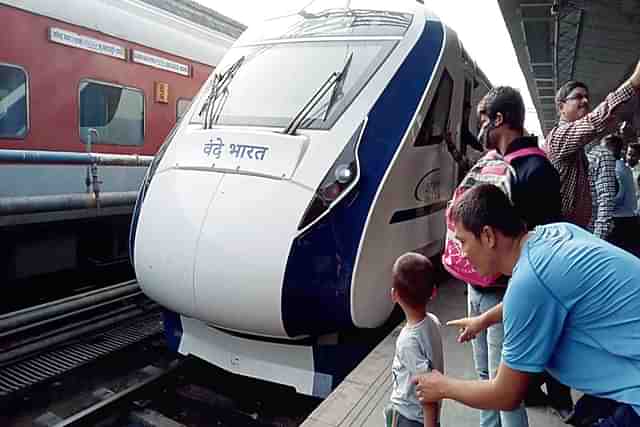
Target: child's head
(412, 280)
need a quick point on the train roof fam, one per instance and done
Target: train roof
(195, 12)
(180, 27)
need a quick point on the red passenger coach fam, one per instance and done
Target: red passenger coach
(101, 76)
(65, 82)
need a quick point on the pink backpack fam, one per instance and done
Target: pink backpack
(494, 169)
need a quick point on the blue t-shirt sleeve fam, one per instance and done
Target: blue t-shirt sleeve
(533, 320)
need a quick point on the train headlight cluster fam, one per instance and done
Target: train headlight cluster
(341, 178)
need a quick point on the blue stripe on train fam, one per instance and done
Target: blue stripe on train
(172, 329)
(316, 288)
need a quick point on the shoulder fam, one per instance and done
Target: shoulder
(550, 136)
(600, 156)
(541, 272)
(433, 329)
(620, 164)
(538, 162)
(433, 319)
(429, 330)
(535, 167)
(525, 286)
(536, 251)
(608, 155)
(549, 247)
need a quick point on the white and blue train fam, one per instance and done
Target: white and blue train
(313, 157)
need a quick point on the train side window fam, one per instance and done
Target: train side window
(435, 125)
(14, 121)
(115, 112)
(466, 104)
(182, 106)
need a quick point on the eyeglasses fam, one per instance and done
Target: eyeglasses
(577, 97)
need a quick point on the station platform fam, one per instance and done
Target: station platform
(361, 397)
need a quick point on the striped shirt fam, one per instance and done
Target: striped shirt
(602, 174)
(565, 145)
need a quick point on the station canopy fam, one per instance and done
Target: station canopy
(593, 41)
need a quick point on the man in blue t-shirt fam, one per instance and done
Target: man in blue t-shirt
(572, 308)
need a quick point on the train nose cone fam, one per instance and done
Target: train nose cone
(168, 231)
(243, 250)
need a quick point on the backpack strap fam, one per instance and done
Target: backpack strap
(531, 151)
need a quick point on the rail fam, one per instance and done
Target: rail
(70, 304)
(80, 346)
(94, 414)
(36, 328)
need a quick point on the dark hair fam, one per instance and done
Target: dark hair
(614, 144)
(413, 279)
(505, 100)
(487, 205)
(635, 146)
(566, 89)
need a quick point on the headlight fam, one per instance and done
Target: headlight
(341, 178)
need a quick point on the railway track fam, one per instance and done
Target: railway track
(42, 343)
(189, 393)
(99, 358)
(109, 409)
(180, 392)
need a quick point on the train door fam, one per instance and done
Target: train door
(471, 148)
(469, 119)
(450, 113)
(441, 128)
(432, 161)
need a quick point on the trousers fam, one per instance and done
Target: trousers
(487, 354)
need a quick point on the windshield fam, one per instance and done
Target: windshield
(277, 80)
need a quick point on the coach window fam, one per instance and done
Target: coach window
(182, 106)
(434, 127)
(115, 112)
(13, 102)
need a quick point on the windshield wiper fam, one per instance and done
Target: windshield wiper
(336, 78)
(337, 88)
(218, 88)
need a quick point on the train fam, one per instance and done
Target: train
(311, 159)
(102, 76)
